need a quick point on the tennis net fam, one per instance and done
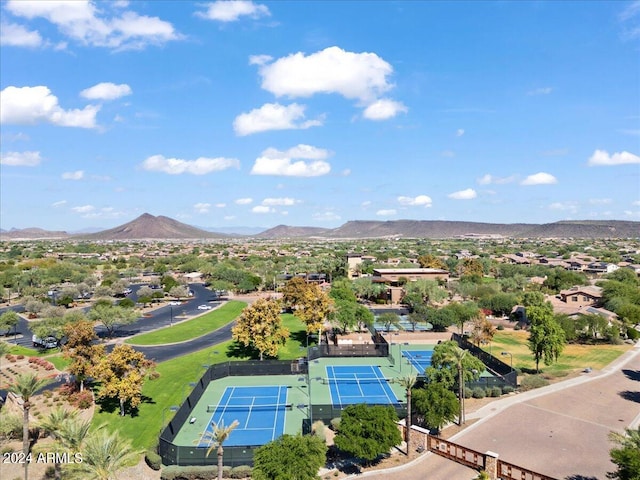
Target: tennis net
(333, 381)
(250, 408)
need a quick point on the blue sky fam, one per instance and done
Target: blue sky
(238, 113)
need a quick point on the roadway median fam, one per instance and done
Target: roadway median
(190, 329)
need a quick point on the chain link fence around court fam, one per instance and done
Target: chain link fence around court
(184, 455)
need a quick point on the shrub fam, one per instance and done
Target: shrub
(507, 389)
(20, 357)
(479, 392)
(500, 327)
(174, 472)
(5, 450)
(517, 327)
(496, 392)
(50, 472)
(317, 429)
(81, 400)
(533, 381)
(468, 393)
(241, 471)
(632, 333)
(153, 460)
(335, 424)
(10, 426)
(47, 393)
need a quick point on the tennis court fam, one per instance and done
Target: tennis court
(420, 359)
(260, 412)
(358, 384)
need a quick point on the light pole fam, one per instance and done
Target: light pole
(504, 354)
(171, 317)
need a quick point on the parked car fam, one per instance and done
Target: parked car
(175, 303)
(204, 307)
(48, 342)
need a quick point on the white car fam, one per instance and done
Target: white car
(204, 307)
(175, 303)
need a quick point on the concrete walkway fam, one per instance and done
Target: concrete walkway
(560, 430)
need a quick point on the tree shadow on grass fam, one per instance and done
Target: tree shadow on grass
(631, 396)
(111, 405)
(300, 336)
(237, 350)
(632, 374)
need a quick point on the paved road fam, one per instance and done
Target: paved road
(161, 317)
(560, 430)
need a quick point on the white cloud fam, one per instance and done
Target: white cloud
(84, 209)
(262, 209)
(602, 158)
(83, 22)
(467, 194)
(232, 10)
(200, 166)
(273, 116)
(243, 201)
(327, 216)
(31, 105)
(202, 207)
(229, 217)
(383, 109)
(540, 178)
(20, 159)
(636, 203)
(540, 91)
(568, 206)
(106, 91)
(629, 23)
(59, 203)
(13, 35)
(77, 175)
(286, 201)
(386, 212)
(600, 201)
(448, 153)
(259, 59)
(488, 179)
(220, 205)
(420, 200)
(366, 203)
(292, 162)
(460, 132)
(360, 76)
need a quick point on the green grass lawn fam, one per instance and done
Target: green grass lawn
(172, 386)
(191, 329)
(574, 357)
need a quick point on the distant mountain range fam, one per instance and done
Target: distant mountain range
(149, 227)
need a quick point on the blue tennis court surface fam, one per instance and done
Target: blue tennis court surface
(359, 384)
(259, 410)
(420, 359)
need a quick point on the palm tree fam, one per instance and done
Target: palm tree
(103, 455)
(407, 382)
(25, 386)
(4, 348)
(456, 355)
(54, 424)
(217, 436)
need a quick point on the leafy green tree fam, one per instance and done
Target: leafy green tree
(342, 289)
(453, 366)
(429, 291)
(389, 319)
(290, 457)
(112, 316)
(8, 320)
(26, 385)
(626, 455)
(345, 314)
(217, 436)
(546, 336)
(463, 313)
(368, 431)
(499, 303)
(436, 404)
(560, 279)
(260, 327)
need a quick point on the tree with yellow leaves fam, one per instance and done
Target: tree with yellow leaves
(121, 375)
(314, 308)
(260, 327)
